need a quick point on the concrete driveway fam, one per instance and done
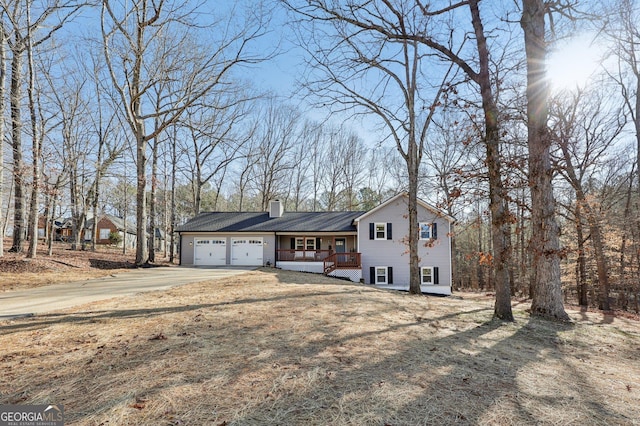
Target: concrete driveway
(61, 296)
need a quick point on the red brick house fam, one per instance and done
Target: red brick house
(106, 225)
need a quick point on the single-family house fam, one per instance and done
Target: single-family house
(106, 225)
(363, 246)
(62, 228)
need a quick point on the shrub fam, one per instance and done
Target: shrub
(115, 238)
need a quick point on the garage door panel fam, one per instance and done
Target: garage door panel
(246, 251)
(210, 251)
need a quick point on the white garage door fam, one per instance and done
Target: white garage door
(246, 251)
(210, 251)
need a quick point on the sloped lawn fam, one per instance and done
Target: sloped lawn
(282, 348)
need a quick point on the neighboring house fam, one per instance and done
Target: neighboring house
(106, 225)
(367, 247)
(62, 228)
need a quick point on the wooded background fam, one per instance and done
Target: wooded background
(152, 111)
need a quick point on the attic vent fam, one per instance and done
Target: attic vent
(275, 209)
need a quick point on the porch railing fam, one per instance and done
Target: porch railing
(292, 255)
(341, 261)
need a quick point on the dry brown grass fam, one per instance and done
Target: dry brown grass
(65, 265)
(282, 348)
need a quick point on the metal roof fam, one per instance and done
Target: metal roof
(261, 222)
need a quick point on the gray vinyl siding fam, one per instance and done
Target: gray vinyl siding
(395, 252)
(187, 250)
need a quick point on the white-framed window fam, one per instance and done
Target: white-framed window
(426, 275)
(299, 243)
(380, 231)
(382, 275)
(425, 231)
(310, 243)
(104, 233)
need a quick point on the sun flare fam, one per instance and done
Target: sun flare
(573, 64)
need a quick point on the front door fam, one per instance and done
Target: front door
(341, 245)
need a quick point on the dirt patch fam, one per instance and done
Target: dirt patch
(276, 347)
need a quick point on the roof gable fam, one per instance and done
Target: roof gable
(422, 203)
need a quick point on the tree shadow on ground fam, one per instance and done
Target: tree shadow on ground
(456, 368)
(104, 264)
(33, 322)
(446, 380)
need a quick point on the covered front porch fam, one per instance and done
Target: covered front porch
(329, 254)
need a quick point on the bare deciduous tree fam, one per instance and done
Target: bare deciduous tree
(274, 142)
(215, 139)
(545, 243)
(3, 78)
(21, 35)
(141, 36)
(586, 127)
(364, 42)
(500, 216)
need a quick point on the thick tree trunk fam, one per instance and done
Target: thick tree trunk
(36, 145)
(51, 218)
(545, 244)
(172, 225)
(598, 248)
(636, 122)
(3, 72)
(96, 192)
(78, 211)
(19, 208)
(142, 250)
(412, 204)
(500, 218)
(152, 202)
(94, 225)
(625, 230)
(525, 265)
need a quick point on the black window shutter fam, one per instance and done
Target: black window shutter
(372, 275)
(317, 243)
(434, 231)
(372, 231)
(436, 275)
(293, 243)
(389, 237)
(390, 274)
